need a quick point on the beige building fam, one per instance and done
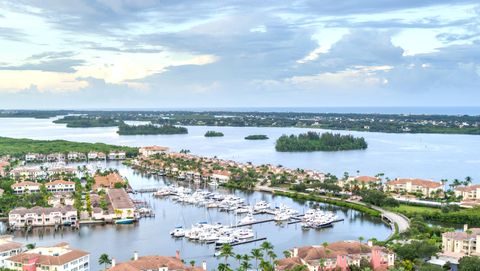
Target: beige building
(26, 187)
(152, 150)
(459, 244)
(55, 258)
(60, 186)
(471, 192)
(360, 181)
(123, 206)
(426, 187)
(338, 256)
(42, 216)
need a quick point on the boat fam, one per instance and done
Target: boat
(282, 217)
(124, 221)
(261, 206)
(247, 220)
(178, 232)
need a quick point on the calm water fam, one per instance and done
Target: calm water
(151, 235)
(432, 156)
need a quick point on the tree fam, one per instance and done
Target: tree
(226, 251)
(287, 253)
(31, 246)
(430, 267)
(192, 263)
(257, 255)
(469, 264)
(105, 260)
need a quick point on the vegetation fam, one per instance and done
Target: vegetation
(37, 114)
(256, 137)
(19, 147)
(86, 122)
(151, 129)
(213, 134)
(445, 215)
(105, 260)
(313, 141)
(10, 201)
(469, 264)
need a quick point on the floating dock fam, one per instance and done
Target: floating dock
(243, 242)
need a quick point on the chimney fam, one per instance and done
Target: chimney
(114, 262)
(135, 255)
(177, 254)
(370, 243)
(295, 252)
(204, 265)
(465, 227)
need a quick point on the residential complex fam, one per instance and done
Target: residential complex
(425, 187)
(160, 263)
(471, 192)
(338, 256)
(461, 243)
(152, 150)
(122, 204)
(55, 258)
(34, 187)
(360, 181)
(8, 248)
(108, 181)
(42, 216)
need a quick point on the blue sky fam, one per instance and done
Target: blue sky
(231, 53)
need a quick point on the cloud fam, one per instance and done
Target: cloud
(55, 65)
(14, 81)
(12, 34)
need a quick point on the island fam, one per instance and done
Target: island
(312, 141)
(150, 129)
(256, 137)
(19, 147)
(213, 134)
(88, 122)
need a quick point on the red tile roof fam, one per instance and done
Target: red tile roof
(418, 182)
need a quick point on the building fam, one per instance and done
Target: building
(108, 181)
(76, 156)
(152, 150)
(122, 204)
(56, 157)
(8, 248)
(471, 192)
(60, 186)
(220, 176)
(57, 258)
(42, 216)
(461, 243)
(338, 256)
(360, 181)
(34, 157)
(61, 170)
(117, 155)
(96, 155)
(160, 263)
(26, 187)
(3, 168)
(31, 173)
(425, 187)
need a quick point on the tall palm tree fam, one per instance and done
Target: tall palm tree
(257, 255)
(192, 263)
(468, 181)
(272, 256)
(266, 246)
(239, 258)
(105, 260)
(245, 265)
(287, 253)
(226, 251)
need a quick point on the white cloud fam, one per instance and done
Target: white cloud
(41, 80)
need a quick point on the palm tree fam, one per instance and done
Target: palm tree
(192, 263)
(104, 259)
(468, 180)
(223, 267)
(226, 251)
(266, 246)
(239, 258)
(361, 239)
(287, 253)
(31, 246)
(257, 255)
(272, 256)
(245, 265)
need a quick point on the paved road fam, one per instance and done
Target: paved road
(402, 221)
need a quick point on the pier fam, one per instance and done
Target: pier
(145, 190)
(255, 222)
(243, 242)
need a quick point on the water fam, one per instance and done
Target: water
(431, 156)
(151, 235)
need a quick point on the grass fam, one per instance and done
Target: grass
(403, 208)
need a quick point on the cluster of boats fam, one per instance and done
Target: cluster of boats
(213, 233)
(318, 219)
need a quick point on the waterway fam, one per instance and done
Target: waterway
(150, 236)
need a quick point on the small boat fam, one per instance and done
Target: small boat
(124, 221)
(246, 220)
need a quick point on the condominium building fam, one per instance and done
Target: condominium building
(122, 204)
(8, 248)
(461, 243)
(160, 263)
(426, 187)
(60, 186)
(338, 256)
(360, 181)
(108, 181)
(26, 187)
(471, 192)
(55, 258)
(152, 150)
(42, 216)
(117, 155)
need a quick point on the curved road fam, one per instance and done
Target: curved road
(402, 221)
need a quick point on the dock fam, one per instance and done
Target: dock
(255, 222)
(145, 190)
(243, 242)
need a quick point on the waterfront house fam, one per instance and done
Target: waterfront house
(59, 257)
(76, 156)
(471, 192)
(160, 263)
(96, 155)
(55, 157)
(338, 256)
(42, 216)
(220, 176)
(60, 186)
(152, 150)
(35, 157)
(111, 180)
(61, 199)
(8, 248)
(122, 204)
(117, 155)
(31, 173)
(61, 170)
(426, 187)
(26, 187)
(3, 168)
(457, 244)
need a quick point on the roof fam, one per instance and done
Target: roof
(461, 235)
(418, 182)
(60, 182)
(312, 253)
(108, 181)
(43, 259)
(25, 183)
(289, 263)
(7, 246)
(41, 210)
(150, 263)
(468, 188)
(120, 199)
(155, 148)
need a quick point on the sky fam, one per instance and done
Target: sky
(231, 53)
